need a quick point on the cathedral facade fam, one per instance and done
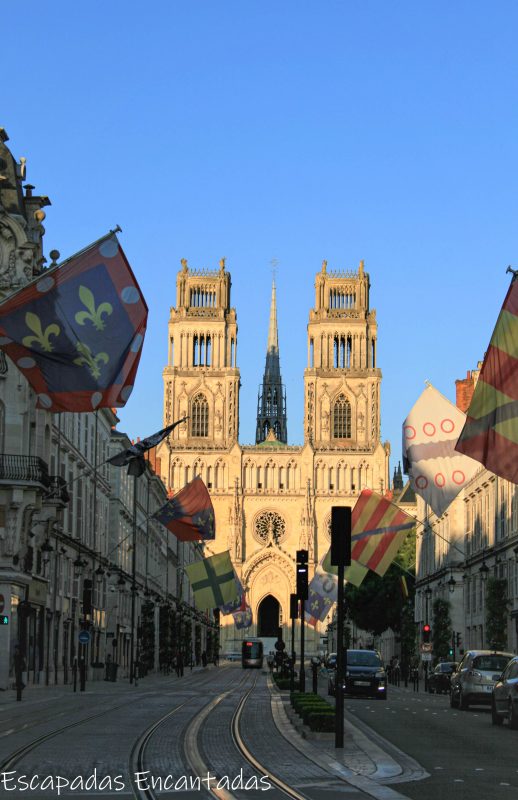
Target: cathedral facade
(272, 499)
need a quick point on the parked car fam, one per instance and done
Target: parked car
(365, 675)
(477, 674)
(439, 680)
(504, 702)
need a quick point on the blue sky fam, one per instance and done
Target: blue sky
(294, 130)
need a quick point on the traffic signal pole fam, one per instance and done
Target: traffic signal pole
(302, 594)
(340, 557)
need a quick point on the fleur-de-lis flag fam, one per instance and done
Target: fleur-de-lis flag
(190, 513)
(76, 332)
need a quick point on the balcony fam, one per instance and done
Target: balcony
(24, 469)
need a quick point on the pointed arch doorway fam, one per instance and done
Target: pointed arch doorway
(268, 616)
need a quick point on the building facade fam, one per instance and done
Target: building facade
(67, 516)
(272, 499)
(461, 554)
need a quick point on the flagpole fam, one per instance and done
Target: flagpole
(133, 578)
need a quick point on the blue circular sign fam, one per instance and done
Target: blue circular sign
(84, 637)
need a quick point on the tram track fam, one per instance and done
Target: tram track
(21, 752)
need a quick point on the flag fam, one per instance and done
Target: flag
(437, 472)
(212, 581)
(379, 528)
(76, 332)
(133, 457)
(322, 594)
(243, 616)
(354, 573)
(490, 434)
(234, 605)
(189, 514)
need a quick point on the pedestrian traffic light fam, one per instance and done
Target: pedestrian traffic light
(302, 574)
(426, 633)
(450, 651)
(4, 619)
(458, 640)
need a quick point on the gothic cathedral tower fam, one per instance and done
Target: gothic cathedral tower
(201, 380)
(342, 381)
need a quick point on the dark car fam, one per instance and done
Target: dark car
(364, 675)
(440, 679)
(504, 701)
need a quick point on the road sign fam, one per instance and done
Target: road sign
(2, 603)
(426, 647)
(426, 656)
(84, 637)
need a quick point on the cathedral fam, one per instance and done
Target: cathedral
(272, 498)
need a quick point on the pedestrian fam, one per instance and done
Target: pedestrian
(20, 666)
(204, 659)
(179, 664)
(396, 671)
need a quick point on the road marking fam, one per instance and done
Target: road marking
(458, 780)
(504, 784)
(438, 767)
(7, 733)
(479, 769)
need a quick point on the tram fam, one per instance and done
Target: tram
(252, 653)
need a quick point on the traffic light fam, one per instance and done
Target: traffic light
(450, 651)
(426, 633)
(458, 640)
(4, 619)
(294, 606)
(302, 574)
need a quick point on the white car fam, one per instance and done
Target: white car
(476, 676)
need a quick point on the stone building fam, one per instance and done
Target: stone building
(475, 540)
(272, 498)
(66, 516)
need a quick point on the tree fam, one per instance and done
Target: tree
(379, 603)
(441, 628)
(496, 613)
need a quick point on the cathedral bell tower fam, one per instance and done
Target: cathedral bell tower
(201, 380)
(342, 380)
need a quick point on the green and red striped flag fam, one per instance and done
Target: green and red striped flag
(213, 581)
(379, 528)
(490, 434)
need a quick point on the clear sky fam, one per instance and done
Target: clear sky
(293, 130)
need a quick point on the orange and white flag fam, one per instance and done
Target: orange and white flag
(379, 528)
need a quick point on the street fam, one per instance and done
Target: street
(464, 754)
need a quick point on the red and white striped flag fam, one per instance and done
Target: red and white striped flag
(379, 528)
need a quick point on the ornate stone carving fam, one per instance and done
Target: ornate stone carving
(269, 529)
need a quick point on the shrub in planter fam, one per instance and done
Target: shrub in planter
(324, 722)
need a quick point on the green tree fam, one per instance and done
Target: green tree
(441, 628)
(380, 602)
(496, 613)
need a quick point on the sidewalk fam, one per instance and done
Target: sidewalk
(41, 693)
(366, 762)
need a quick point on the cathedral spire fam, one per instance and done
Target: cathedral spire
(271, 406)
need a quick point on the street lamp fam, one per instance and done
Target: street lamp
(484, 571)
(46, 550)
(99, 574)
(451, 584)
(79, 564)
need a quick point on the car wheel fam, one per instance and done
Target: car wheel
(512, 716)
(496, 719)
(463, 701)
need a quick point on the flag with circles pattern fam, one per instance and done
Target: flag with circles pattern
(436, 470)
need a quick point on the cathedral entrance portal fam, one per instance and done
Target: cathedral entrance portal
(268, 617)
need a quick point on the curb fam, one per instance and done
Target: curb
(368, 785)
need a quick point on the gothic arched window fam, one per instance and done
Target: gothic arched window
(342, 418)
(200, 416)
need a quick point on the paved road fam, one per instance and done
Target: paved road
(166, 727)
(467, 757)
